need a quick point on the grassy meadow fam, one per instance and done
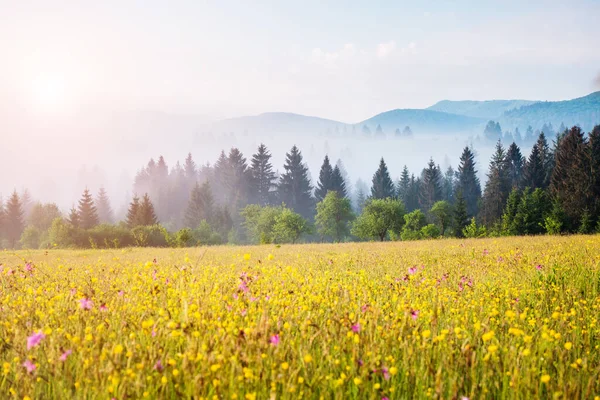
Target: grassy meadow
(449, 319)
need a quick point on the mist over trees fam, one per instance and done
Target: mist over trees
(554, 188)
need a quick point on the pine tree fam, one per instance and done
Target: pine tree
(88, 214)
(516, 163)
(382, 186)
(468, 182)
(324, 183)
(133, 212)
(220, 176)
(263, 177)
(342, 183)
(546, 159)
(461, 217)
(404, 186)
(294, 187)
(238, 180)
(448, 183)
(594, 146)
(190, 170)
(13, 219)
(431, 190)
(73, 218)
(200, 206)
(492, 131)
(26, 202)
(570, 183)
(146, 215)
(412, 200)
(509, 225)
(496, 188)
(105, 212)
(534, 173)
(338, 184)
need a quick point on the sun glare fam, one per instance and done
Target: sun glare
(50, 93)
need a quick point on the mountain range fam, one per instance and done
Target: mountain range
(446, 116)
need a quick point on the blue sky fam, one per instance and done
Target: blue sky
(344, 60)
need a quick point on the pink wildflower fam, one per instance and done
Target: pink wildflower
(414, 314)
(103, 307)
(412, 270)
(28, 267)
(275, 340)
(35, 339)
(386, 373)
(539, 267)
(356, 328)
(85, 304)
(29, 365)
(158, 366)
(63, 356)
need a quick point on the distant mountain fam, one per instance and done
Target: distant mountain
(584, 111)
(280, 123)
(420, 121)
(489, 109)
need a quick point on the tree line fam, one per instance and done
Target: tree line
(555, 189)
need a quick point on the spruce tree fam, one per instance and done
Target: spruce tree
(133, 212)
(146, 215)
(105, 212)
(468, 182)
(73, 218)
(594, 149)
(294, 187)
(200, 206)
(263, 177)
(461, 217)
(448, 183)
(338, 183)
(190, 170)
(497, 187)
(26, 202)
(516, 163)
(13, 219)
(382, 186)
(325, 178)
(404, 186)
(238, 180)
(571, 184)
(546, 159)
(509, 226)
(534, 174)
(431, 190)
(88, 214)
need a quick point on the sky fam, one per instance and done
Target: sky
(344, 60)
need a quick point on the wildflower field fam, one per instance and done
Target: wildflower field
(450, 319)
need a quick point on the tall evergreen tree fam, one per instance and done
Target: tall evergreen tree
(461, 217)
(448, 183)
(190, 170)
(338, 183)
(295, 189)
(468, 182)
(105, 212)
(529, 137)
(546, 158)
(594, 146)
(73, 218)
(200, 206)
(534, 175)
(412, 200)
(263, 177)
(431, 190)
(404, 186)
(26, 202)
(497, 187)
(325, 178)
(13, 220)
(238, 181)
(88, 214)
(516, 163)
(133, 212)
(146, 215)
(382, 186)
(492, 131)
(571, 184)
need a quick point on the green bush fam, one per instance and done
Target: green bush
(150, 236)
(430, 231)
